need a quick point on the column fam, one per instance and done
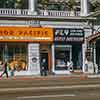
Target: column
(33, 59)
(94, 52)
(53, 58)
(94, 58)
(83, 53)
(32, 6)
(84, 7)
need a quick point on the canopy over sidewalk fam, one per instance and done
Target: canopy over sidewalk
(93, 37)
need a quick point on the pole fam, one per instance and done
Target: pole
(6, 53)
(93, 47)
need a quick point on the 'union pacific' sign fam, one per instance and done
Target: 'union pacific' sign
(28, 34)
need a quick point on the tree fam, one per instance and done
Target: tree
(1, 3)
(9, 3)
(44, 3)
(95, 5)
(18, 4)
(71, 4)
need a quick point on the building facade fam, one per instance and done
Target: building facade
(29, 35)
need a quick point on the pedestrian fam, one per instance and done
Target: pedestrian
(12, 69)
(1, 64)
(44, 67)
(70, 66)
(5, 70)
(86, 65)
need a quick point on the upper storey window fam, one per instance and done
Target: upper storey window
(14, 4)
(61, 5)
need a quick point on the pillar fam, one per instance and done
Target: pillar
(32, 6)
(83, 53)
(53, 58)
(94, 52)
(84, 7)
(34, 58)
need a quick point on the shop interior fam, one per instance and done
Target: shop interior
(15, 54)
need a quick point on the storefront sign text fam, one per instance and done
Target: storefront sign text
(69, 35)
(26, 34)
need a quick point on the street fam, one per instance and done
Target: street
(50, 88)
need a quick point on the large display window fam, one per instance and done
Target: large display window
(62, 56)
(15, 54)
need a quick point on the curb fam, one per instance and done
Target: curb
(50, 77)
(93, 76)
(53, 77)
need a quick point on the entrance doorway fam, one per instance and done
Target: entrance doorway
(77, 56)
(98, 53)
(45, 53)
(44, 57)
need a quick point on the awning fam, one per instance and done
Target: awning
(93, 37)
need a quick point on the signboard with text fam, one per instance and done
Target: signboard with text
(69, 35)
(28, 34)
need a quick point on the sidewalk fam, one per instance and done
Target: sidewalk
(73, 75)
(80, 76)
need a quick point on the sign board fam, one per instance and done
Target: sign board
(28, 34)
(69, 35)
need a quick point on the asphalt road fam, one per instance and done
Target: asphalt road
(50, 89)
(53, 94)
(45, 81)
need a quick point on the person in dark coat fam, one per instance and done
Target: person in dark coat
(43, 67)
(5, 70)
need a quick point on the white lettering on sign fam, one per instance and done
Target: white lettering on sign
(69, 32)
(62, 32)
(24, 38)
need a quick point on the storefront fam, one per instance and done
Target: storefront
(68, 47)
(25, 47)
(93, 49)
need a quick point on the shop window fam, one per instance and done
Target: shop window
(62, 56)
(16, 55)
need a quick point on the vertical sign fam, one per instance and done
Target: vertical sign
(33, 57)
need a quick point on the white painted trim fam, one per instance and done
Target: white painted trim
(47, 96)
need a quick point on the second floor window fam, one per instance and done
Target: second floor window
(14, 4)
(65, 5)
